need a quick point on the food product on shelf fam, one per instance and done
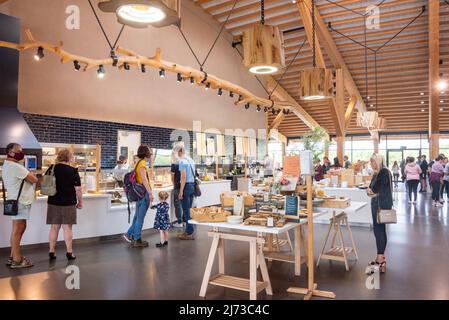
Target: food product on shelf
(210, 214)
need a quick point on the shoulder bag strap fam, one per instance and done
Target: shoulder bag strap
(20, 190)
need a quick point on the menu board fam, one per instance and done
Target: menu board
(291, 166)
(292, 207)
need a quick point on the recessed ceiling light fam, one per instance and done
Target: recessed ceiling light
(441, 101)
(442, 85)
(263, 69)
(441, 109)
(422, 102)
(422, 110)
(422, 93)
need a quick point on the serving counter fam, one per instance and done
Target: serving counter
(99, 217)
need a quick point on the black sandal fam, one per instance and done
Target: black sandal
(70, 256)
(52, 256)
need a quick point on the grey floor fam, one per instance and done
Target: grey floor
(417, 253)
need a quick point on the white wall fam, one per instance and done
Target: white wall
(48, 87)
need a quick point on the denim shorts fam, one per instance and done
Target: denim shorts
(24, 212)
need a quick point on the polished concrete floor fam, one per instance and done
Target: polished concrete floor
(418, 260)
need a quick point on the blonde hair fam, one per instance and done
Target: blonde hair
(163, 196)
(64, 155)
(379, 160)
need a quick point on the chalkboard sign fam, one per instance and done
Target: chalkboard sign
(292, 207)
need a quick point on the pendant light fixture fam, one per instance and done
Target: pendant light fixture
(263, 47)
(142, 13)
(316, 83)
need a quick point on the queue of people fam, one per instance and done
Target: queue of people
(19, 193)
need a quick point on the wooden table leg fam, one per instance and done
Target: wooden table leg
(264, 271)
(297, 251)
(221, 256)
(253, 270)
(210, 263)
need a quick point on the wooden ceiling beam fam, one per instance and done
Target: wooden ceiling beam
(307, 21)
(277, 121)
(434, 75)
(332, 51)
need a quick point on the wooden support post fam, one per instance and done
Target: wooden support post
(434, 77)
(376, 144)
(340, 149)
(326, 149)
(311, 289)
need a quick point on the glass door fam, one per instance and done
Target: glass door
(394, 155)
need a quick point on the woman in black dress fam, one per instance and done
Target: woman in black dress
(63, 205)
(381, 194)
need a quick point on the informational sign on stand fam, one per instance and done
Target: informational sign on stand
(292, 207)
(291, 166)
(306, 162)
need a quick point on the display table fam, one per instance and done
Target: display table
(211, 191)
(256, 241)
(357, 215)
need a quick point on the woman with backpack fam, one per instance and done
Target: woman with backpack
(134, 234)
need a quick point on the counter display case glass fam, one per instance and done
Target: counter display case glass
(86, 159)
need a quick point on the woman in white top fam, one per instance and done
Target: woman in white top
(13, 175)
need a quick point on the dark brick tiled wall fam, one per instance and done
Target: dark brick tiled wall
(50, 129)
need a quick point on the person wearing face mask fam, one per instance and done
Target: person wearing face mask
(18, 180)
(134, 234)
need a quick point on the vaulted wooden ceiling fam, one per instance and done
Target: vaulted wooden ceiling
(403, 74)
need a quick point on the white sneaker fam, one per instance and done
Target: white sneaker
(177, 225)
(439, 205)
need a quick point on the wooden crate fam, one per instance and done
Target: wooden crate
(337, 203)
(227, 199)
(212, 214)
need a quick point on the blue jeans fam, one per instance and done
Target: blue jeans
(178, 205)
(380, 232)
(187, 200)
(135, 231)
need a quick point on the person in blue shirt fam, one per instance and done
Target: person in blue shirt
(186, 190)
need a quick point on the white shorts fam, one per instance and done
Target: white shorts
(24, 212)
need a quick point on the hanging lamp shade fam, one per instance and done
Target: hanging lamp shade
(142, 13)
(263, 47)
(316, 83)
(371, 120)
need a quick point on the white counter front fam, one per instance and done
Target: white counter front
(97, 218)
